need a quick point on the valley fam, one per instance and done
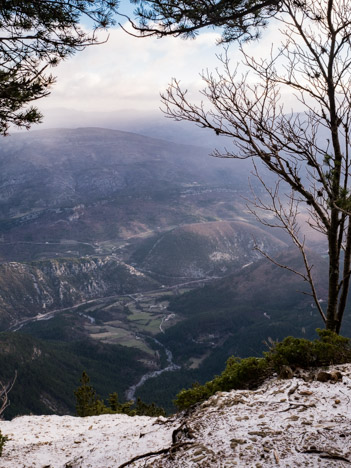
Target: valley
(119, 248)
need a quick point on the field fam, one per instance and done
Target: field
(129, 320)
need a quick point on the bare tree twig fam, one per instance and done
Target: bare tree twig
(4, 393)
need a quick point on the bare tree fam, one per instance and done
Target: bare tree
(308, 151)
(5, 389)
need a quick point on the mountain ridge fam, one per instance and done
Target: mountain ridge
(31, 289)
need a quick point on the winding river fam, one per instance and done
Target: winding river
(130, 393)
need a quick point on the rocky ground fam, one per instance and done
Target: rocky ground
(302, 421)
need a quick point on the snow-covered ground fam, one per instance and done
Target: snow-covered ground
(285, 423)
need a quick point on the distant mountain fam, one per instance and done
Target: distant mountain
(205, 249)
(93, 184)
(65, 167)
(152, 124)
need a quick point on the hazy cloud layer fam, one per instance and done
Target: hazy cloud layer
(129, 73)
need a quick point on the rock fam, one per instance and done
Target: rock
(286, 373)
(323, 376)
(336, 376)
(306, 392)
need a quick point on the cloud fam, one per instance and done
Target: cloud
(126, 72)
(129, 73)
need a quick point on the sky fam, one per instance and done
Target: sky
(128, 73)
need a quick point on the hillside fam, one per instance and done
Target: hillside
(261, 284)
(202, 327)
(236, 314)
(49, 372)
(297, 422)
(36, 288)
(71, 190)
(205, 249)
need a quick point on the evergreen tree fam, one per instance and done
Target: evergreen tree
(35, 36)
(87, 402)
(145, 409)
(239, 19)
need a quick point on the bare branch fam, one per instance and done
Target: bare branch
(4, 393)
(285, 216)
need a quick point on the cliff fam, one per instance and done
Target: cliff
(303, 421)
(30, 289)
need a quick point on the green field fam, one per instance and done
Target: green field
(128, 319)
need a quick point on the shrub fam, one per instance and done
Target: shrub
(246, 373)
(332, 348)
(328, 349)
(3, 440)
(197, 393)
(293, 352)
(145, 409)
(243, 374)
(249, 373)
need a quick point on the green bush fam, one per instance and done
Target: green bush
(332, 348)
(293, 352)
(197, 393)
(3, 440)
(144, 409)
(329, 348)
(246, 373)
(243, 374)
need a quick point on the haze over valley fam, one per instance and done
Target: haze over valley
(134, 258)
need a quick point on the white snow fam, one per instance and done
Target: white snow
(97, 441)
(285, 423)
(219, 256)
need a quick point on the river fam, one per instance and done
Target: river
(130, 393)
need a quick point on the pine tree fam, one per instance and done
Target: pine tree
(35, 37)
(87, 402)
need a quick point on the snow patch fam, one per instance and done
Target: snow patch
(220, 256)
(285, 423)
(132, 270)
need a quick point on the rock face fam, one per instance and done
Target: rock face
(286, 423)
(27, 289)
